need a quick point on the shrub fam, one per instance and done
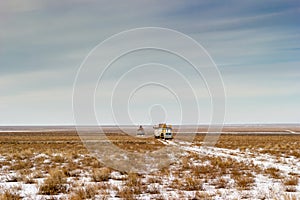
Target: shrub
(101, 174)
(202, 195)
(58, 159)
(244, 182)
(221, 183)
(126, 193)
(289, 197)
(273, 172)
(22, 164)
(290, 188)
(192, 183)
(291, 181)
(9, 195)
(54, 184)
(134, 183)
(133, 180)
(85, 193)
(185, 163)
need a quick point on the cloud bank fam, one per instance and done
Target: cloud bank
(254, 44)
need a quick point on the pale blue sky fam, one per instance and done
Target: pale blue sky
(255, 44)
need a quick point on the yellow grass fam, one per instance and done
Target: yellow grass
(64, 156)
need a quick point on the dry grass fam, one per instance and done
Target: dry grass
(56, 157)
(185, 163)
(126, 193)
(244, 182)
(101, 174)
(274, 144)
(191, 183)
(133, 186)
(273, 172)
(289, 197)
(221, 183)
(54, 184)
(291, 181)
(21, 164)
(203, 195)
(88, 192)
(134, 183)
(10, 195)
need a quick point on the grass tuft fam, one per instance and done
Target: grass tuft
(54, 184)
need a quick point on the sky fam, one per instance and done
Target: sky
(255, 46)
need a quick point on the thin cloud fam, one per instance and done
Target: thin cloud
(44, 42)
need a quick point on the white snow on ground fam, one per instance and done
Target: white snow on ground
(263, 184)
(29, 190)
(262, 160)
(264, 187)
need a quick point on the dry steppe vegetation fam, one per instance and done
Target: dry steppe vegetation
(56, 165)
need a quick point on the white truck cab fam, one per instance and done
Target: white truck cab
(163, 131)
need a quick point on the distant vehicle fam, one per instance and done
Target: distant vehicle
(163, 131)
(140, 131)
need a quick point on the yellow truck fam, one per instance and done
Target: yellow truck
(163, 131)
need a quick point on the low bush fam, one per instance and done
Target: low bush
(244, 182)
(291, 181)
(9, 195)
(101, 174)
(54, 184)
(85, 193)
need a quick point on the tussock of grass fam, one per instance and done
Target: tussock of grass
(221, 183)
(190, 183)
(289, 197)
(134, 183)
(273, 172)
(101, 174)
(10, 195)
(126, 193)
(244, 182)
(54, 184)
(58, 159)
(22, 164)
(291, 181)
(88, 192)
